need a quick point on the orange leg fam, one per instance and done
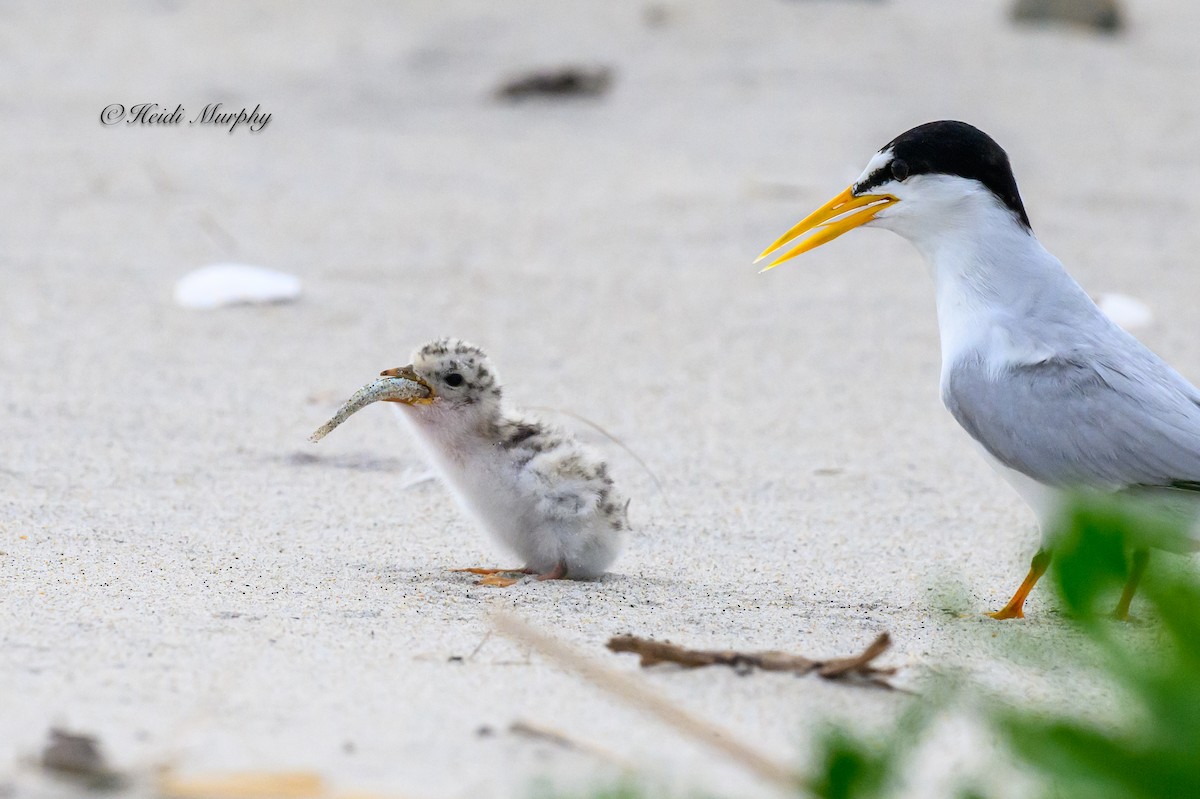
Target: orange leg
(497, 578)
(478, 570)
(498, 581)
(500, 578)
(1014, 608)
(1136, 569)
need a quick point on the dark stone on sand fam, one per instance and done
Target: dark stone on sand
(78, 757)
(563, 82)
(1100, 15)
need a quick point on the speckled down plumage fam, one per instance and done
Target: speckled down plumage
(532, 486)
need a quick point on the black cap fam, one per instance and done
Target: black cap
(950, 148)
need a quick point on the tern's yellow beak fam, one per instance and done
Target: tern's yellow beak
(408, 373)
(832, 220)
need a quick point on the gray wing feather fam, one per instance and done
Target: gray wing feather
(1082, 420)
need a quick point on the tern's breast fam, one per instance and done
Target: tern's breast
(486, 483)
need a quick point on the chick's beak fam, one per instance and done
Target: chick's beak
(408, 373)
(830, 221)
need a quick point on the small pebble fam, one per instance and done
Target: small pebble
(78, 757)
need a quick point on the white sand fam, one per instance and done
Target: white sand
(186, 577)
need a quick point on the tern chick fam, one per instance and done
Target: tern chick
(1057, 396)
(532, 486)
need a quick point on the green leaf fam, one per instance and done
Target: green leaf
(850, 768)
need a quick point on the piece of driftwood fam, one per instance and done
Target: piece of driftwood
(646, 699)
(858, 667)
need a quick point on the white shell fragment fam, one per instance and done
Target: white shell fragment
(218, 285)
(385, 388)
(1126, 311)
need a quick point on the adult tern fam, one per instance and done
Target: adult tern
(1058, 397)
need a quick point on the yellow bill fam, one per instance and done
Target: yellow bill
(830, 221)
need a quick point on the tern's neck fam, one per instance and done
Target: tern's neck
(1000, 294)
(451, 434)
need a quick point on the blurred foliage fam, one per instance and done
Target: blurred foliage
(1153, 748)
(1150, 749)
(853, 768)
(849, 766)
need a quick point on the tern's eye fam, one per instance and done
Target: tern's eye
(899, 169)
(454, 379)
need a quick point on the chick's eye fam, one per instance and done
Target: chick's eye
(454, 379)
(899, 169)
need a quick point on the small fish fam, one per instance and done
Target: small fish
(390, 389)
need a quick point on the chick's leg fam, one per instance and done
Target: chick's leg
(559, 572)
(497, 578)
(482, 571)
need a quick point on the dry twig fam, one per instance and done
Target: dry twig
(643, 698)
(653, 652)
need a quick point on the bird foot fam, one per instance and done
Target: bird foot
(1015, 607)
(498, 581)
(482, 571)
(497, 578)
(503, 578)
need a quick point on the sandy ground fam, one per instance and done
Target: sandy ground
(189, 579)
